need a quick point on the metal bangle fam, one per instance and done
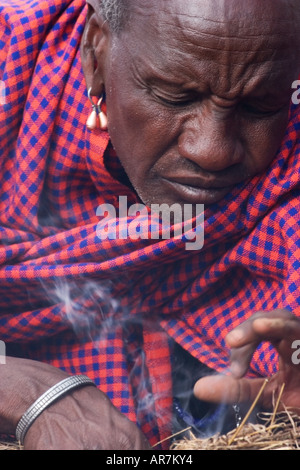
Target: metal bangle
(45, 400)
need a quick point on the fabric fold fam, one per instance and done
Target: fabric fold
(66, 296)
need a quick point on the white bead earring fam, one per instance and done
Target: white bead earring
(97, 116)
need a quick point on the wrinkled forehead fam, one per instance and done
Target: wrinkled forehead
(233, 16)
(238, 41)
(227, 32)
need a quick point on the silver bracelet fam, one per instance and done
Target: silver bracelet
(46, 400)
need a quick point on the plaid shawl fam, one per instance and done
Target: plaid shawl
(109, 309)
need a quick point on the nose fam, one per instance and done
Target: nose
(211, 140)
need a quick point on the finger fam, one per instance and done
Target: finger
(277, 328)
(227, 389)
(240, 359)
(264, 325)
(283, 334)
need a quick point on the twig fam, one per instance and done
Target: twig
(173, 435)
(249, 413)
(277, 405)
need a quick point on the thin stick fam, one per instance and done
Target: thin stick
(173, 435)
(249, 412)
(277, 405)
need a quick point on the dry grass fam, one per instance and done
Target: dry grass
(10, 446)
(278, 432)
(273, 431)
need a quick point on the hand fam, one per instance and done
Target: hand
(84, 420)
(281, 329)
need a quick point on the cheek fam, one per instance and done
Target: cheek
(140, 133)
(262, 142)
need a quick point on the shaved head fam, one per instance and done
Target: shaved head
(114, 12)
(117, 12)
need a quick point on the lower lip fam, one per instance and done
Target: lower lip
(195, 195)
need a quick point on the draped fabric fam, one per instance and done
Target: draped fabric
(111, 308)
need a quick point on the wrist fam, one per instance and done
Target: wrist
(47, 399)
(22, 381)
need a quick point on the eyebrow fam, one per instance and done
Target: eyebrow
(154, 77)
(184, 85)
(265, 89)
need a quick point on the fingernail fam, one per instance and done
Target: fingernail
(269, 322)
(235, 335)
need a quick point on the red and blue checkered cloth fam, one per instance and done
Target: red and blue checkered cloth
(109, 309)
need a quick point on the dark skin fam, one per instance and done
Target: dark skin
(83, 420)
(197, 100)
(213, 93)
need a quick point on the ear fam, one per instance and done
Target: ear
(93, 49)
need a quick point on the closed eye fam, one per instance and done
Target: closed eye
(259, 111)
(178, 102)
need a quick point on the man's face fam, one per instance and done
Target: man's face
(198, 94)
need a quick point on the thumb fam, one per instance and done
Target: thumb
(228, 389)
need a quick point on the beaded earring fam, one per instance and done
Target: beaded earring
(97, 116)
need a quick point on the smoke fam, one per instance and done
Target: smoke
(93, 311)
(88, 307)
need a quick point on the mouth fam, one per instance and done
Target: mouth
(196, 191)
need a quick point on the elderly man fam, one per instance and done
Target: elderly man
(194, 107)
